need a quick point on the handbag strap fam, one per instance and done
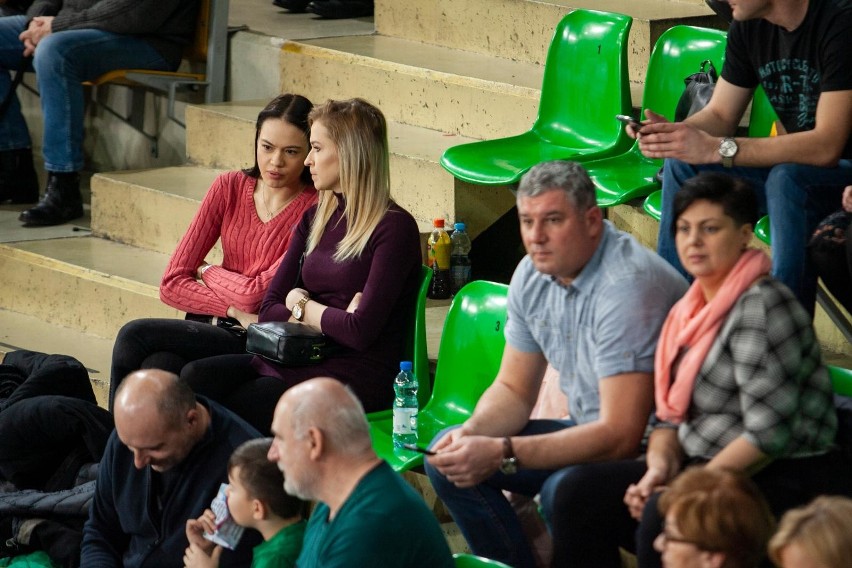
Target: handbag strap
(17, 80)
(298, 282)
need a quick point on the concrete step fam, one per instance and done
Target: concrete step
(86, 283)
(20, 331)
(150, 209)
(521, 30)
(414, 83)
(216, 136)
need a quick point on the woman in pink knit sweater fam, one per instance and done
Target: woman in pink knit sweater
(253, 212)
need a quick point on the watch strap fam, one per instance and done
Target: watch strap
(728, 159)
(508, 450)
(299, 309)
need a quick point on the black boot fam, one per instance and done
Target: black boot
(296, 6)
(337, 9)
(61, 202)
(18, 181)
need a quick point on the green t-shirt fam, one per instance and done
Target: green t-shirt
(384, 522)
(281, 550)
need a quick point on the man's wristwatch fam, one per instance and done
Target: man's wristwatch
(728, 149)
(299, 308)
(510, 462)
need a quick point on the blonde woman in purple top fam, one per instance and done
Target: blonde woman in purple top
(359, 278)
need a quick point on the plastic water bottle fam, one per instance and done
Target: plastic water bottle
(459, 260)
(405, 406)
(440, 247)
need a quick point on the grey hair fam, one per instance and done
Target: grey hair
(568, 177)
(344, 425)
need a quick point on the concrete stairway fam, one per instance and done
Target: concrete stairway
(444, 72)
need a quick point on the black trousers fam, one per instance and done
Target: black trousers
(167, 344)
(590, 521)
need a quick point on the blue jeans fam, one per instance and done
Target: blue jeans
(796, 197)
(62, 61)
(485, 517)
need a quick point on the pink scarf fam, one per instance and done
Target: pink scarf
(691, 326)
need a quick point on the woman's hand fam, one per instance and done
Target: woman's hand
(244, 318)
(293, 297)
(637, 494)
(353, 305)
(847, 198)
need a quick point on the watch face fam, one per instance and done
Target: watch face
(509, 465)
(727, 148)
(297, 311)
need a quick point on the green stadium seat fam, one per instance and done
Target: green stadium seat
(677, 54)
(585, 85)
(416, 348)
(471, 561)
(653, 204)
(841, 380)
(468, 360)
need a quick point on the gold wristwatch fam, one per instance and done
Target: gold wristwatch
(299, 308)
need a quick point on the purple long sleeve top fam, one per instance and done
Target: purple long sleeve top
(373, 338)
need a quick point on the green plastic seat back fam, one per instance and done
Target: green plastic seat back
(468, 360)
(841, 380)
(471, 350)
(677, 54)
(761, 229)
(415, 343)
(471, 561)
(762, 115)
(653, 205)
(585, 79)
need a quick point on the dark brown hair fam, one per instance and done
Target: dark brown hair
(292, 109)
(263, 480)
(735, 195)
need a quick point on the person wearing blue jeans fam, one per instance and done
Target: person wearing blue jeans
(798, 51)
(67, 42)
(795, 196)
(590, 300)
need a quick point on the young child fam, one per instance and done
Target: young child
(256, 500)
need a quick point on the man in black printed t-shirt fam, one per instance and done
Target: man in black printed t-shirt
(799, 52)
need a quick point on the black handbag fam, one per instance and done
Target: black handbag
(696, 95)
(699, 89)
(288, 343)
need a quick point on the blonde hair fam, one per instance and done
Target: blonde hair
(360, 132)
(720, 511)
(820, 529)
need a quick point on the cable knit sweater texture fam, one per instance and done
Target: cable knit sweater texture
(252, 249)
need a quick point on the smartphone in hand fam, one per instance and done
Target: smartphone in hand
(629, 120)
(415, 448)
